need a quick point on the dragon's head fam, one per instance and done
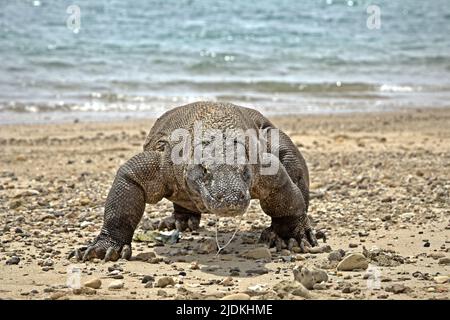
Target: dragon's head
(223, 189)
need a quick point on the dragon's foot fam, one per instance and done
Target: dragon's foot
(288, 233)
(103, 248)
(181, 222)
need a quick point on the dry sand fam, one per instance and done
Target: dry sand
(378, 181)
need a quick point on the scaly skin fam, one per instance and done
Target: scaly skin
(204, 188)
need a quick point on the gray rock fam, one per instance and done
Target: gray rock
(236, 296)
(284, 288)
(336, 255)
(258, 253)
(353, 261)
(116, 285)
(13, 260)
(145, 256)
(146, 279)
(164, 282)
(397, 288)
(93, 283)
(309, 277)
(208, 246)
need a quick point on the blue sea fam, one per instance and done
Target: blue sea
(112, 59)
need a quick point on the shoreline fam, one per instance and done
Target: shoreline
(377, 180)
(115, 117)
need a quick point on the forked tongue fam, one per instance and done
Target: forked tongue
(220, 248)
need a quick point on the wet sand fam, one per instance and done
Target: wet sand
(378, 180)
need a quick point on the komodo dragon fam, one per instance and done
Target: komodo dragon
(206, 186)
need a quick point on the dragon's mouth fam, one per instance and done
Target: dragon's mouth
(221, 208)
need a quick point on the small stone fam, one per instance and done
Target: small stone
(427, 244)
(208, 246)
(194, 265)
(164, 282)
(85, 201)
(228, 281)
(236, 296)
(13, 260)
(258, 253)
(353, 261)
(57, 295)
(93, 283)
(162, 293)
(85, 224)
(436, 255)
(397, 288)
(48, 263)
(145, 256)
(444, 261)
(15, 204)
(116, 285)
(147, 278)
(321, 249)
(149, 284)
(407, 215)
(348, 289)
(309, 277)
(84, 290)
(284, 288)
(441, 279)
(336, 255)
(353, 245)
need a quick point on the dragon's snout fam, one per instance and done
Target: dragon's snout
(222, 189)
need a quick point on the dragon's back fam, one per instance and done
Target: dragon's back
(210, 115)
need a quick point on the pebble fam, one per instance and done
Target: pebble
(84, 290)
(321, 249)
(284, 288)
(116, 285)
(227, 282)
(353, 261)
(237, 296)
(208, 246)
(441, 279)
(309, 277)
(336, 255)
(444, 261)
(258, 253)
(148, 278)
(57, 295)
(164, 282)
(48, 263)
(93, 283)
(13, 260)
(397, 288)
(162, 293)
(145, 256)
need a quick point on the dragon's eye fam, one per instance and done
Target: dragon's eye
(161, 145)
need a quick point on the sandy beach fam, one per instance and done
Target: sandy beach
(380, 184)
